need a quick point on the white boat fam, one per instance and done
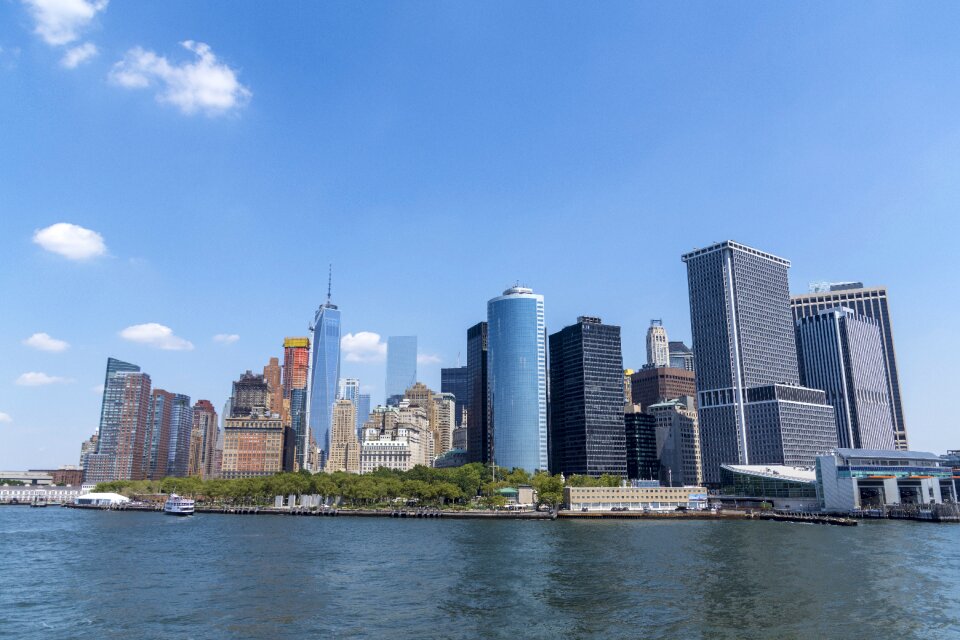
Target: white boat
(178, 506)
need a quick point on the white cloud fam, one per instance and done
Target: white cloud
(5, 417)
(37, 379)
(44, 342)
(427, 358)
(205, 85)
(60, 22)
(156, 335)
(78, 55)
(71, 241)
(226, 338)
(363, 346)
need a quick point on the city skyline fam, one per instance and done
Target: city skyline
(700, 148)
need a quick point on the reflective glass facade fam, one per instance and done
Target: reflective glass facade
(401, 364)
(325, 374)
(517, 369)
(456, 380)
(478, 410)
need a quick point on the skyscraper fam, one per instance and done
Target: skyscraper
(256, 442)
(586, 400)
(325, 370)
(517, 369)
(204, 438)
(456, 380)
(641, 436)
(348, 389)
(751, 407)
(344, 446)
(658, 349)
(681, 357)
(401, 364)
(478, 411)
(363, 412)
(842, 353)
(872, 302)
(678, 442)
(272, 375)
(651, 385)
(161, 404)
(296, 356)
(181, 428)
(123, 433)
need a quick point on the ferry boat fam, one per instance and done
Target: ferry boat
(178, 506)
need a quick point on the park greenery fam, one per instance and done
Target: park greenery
(470, 486)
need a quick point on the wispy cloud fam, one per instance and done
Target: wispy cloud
(76, 56)
(45, 342)
(5, 417)
(70, 241)
(226, 338)
(363, 346)
(427, 358)
(156, 335)
(38, 379)
(205, 85)
(61, 22)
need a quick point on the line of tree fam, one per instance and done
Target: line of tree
(472, 485)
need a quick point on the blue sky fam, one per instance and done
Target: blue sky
(437, 153)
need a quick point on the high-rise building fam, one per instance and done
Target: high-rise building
(751, 407)
(401, 364)
(641, 435)
(872, 302)
(344, 446)
(272, 376)
(678, 442)
(348, 389)
(396, 438)
(161, 405)
(296, 358)
(444, 416)
(842, 354)
(681, 357)
(586, 400)
(363, 412)
(658, 349)
(456, 380)
(325, 371)
(203, 439)
(87, 448)
(479, 441)
(256, 444)
(124, 425)
(248, 392)
(181, 428)
(652, 385)
(517, 370)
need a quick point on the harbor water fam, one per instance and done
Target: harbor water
(68, 573)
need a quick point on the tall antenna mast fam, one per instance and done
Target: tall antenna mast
(329, 282)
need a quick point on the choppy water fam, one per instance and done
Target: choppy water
(80, 574)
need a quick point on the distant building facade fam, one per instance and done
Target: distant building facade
(678, 441)
(479, 440)
(401, 364)
(456, 380)
(296, 359)
(681, 356)
(325, 374)
(658, 384)
(658, 349)
(640, 430)
(344, 446)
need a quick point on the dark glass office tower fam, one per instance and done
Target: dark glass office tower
(456, 380)
(586, 400)
(641, 438)
(872, 302)
(478, 436)
(751, 407)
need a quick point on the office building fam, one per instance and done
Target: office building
(872, 302)
(658, 349)
(750, 405)
(586, 400)
(256, 444)
(456, 380)
(681, 356)
(161, 406)
(678, 441)
(325, 374)
(272, 375)
(627, 387)
(479, 441)
(181, 428)
(517, 370)
(296, 358)
(124, 426)
(87, 448)
(652, 385)
(344, 446)
(348, 389)
(841, 353)
(363, 412)
(850, 479)
(204, 439)
(444, 417)
(401, 364)
(640, 430)
(396, 438)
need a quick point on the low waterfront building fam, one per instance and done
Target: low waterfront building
(101, 499)
(450, 459)
(851, 479)
(39, 493)
(776, 486)
(635, 498)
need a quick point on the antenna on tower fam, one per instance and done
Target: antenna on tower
(329, 282)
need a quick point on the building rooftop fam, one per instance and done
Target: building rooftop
(774, 472)
(888, 454)
(732, 244)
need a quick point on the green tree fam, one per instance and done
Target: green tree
(549, 489)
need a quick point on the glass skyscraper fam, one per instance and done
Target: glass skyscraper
(456, 380)
(478, 409)
(325, 372)
(517, 369)
(401, 364)
(181, 426)
(752, 409)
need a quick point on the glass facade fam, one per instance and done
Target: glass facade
(478, 410)
(456, 380)
(401, 364)
(325, 374)
(586, 400)
(641, 444)
(517, 369)
(734, 483)
(181, 426)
